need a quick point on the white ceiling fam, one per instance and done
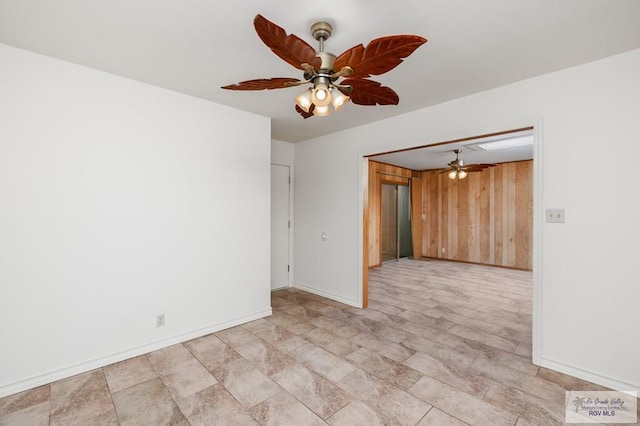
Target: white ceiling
(196, 46)
(438, 156)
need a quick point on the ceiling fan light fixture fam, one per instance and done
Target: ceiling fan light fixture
(462, 174)
(452, 174)
(321, 96)
(321, 111)
(339, 99)
(303, 100)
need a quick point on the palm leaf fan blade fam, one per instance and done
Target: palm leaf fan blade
(369, 92)
(380, 56)
(262, 84)
(289, 47)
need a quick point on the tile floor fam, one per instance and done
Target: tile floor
(440, 344)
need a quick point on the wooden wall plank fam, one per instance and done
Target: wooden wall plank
(524, 215)
(416, 216)
(492, 216)
(498, 215)
(483, 222)
(511, 214)
(464, 212)
(485, 218)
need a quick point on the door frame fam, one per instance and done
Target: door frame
(291, 224)
(538, 224)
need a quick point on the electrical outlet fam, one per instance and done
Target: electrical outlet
(555, 215)
(160, 320)
(443, 250)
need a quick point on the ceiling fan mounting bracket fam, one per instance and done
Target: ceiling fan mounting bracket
(321, 30)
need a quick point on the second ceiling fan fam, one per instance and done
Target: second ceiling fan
(458, 170)
(323, 69)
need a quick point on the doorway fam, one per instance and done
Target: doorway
(396, 236)
(280, 226)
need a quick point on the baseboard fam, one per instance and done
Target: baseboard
(328, 295)
(588, 375)
(515, 268)
(35, 381)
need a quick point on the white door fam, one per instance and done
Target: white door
(279, 226)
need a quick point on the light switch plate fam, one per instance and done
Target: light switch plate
(555, 215)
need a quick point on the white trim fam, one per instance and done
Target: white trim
(73, 370)
(328, 295)
(538, 237)
(363, 178)
(588, 375)
(291, 222)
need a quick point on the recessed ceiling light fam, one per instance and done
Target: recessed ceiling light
(506, 143)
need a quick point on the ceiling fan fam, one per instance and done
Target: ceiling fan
(457, 169)
(355, 65)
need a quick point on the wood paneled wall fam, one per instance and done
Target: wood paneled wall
(485, 218)
(380, 173)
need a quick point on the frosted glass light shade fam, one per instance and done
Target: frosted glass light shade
(321, 110)
(339, 99)
(462, 174)
(303, 100)
(453, 174)
(321, 96)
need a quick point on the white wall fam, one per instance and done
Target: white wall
(587, 123)
(120, 201)
(282, 153)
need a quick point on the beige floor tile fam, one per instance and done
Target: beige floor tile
(446, 354)
(513, 360)
(395, 373)
(146, 403)
(567, 382)
(214, 406)
(322, 362)
(483, 337)
(265, 357)
(330, 342)
(81, 400)
(365, 386)
(402, 408)
(256, 325)
(212, 352)
(280, 338)
(532, 408)
(384, 347)
(357, 413)
(291, 323)
(461, 405)
(23, 400)
(436, 417)
(246, 383)
(319, 394)
(449, 373)
(236, 336)
(124, 374)
(180, 371)
(284, 409)
(518, 380)
(33, 415)
(394, 405)
(334, 326)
